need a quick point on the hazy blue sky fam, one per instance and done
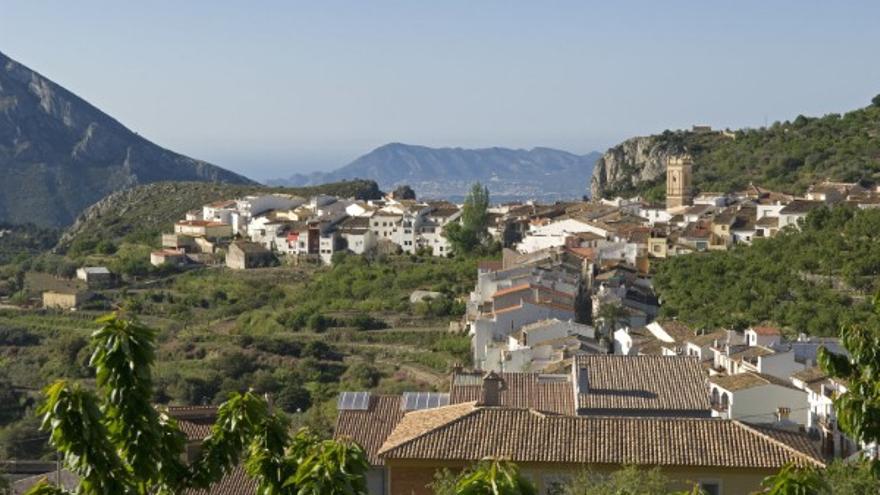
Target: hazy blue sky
(269, 88)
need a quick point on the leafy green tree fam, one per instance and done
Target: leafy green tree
(329, 467)
(490, 477)
(858, 410)
(792, 480)
(611, 316)
(116, 442)
(362, 376)
(876, 101)
(850, 478)
(627, 481)
(471, 231)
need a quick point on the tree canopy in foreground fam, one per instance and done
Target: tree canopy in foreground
(117, 442)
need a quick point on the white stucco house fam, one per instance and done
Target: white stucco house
(757, 398)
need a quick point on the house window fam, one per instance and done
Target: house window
(710, 487)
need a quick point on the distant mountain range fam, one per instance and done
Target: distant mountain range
(539, 173)
(59, 154)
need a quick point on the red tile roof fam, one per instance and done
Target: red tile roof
(490, 266)
(641, 383)
(511, 290)
(465, 432)
(371, 427)
(766, 330)
(549, 393)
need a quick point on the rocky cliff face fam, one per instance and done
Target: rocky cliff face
(634, 162)
(59, 154)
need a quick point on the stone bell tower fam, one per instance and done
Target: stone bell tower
(679, 171)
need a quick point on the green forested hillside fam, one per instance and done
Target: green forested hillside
(299, 333)
(809, 281)
(24, 240)
(786, 156)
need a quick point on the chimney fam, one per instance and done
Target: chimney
(490, 391)
(583, 381)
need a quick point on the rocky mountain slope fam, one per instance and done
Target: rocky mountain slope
(786, 156)
(540, 173)
(142, 213)
(627, 166)
(59, 154)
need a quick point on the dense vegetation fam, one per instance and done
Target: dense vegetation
(786, 156)
(20, 241)
(300, 333)
(141, 214)
(470, 234)
(115, 441)
(812, 280)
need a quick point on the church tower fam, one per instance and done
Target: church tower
(679, 171)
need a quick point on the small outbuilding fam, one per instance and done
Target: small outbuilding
(64, 300)
(243, 255)
(176, 257)
(95, 277)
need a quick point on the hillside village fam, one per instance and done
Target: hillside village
(566, 341)
(569, 356)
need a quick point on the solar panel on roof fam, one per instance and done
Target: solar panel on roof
(353, 401)
(416, 401)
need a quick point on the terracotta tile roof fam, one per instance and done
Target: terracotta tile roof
(236, 482)
(748, 379)
(641, 383)
(490, 265)
(519, 306)
(809, 375)
(512, 289)
(766, 330)
(676, 329)
(751, 352)
(800, 206)
(370, 428)
(548, 393)
(470, 433)
(769, 222)
(708, 338)
(194, 421)
(582, 252)
(416, 423)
